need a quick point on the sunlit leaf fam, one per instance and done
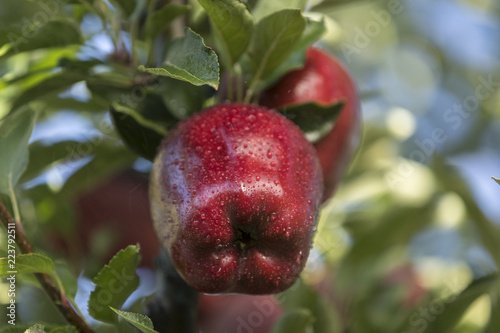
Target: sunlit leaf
(140, 321)
(37, 328)
(49, 328)
(493, 325)
(313, 31)
(15, 130)
(56, 33)
(49, 87)
(188, 59)
(326, 5)
(263, 8)
(26, 263)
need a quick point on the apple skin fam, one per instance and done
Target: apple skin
(325, 81)
(235, 192)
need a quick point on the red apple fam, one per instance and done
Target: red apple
(325, 81)
(120, 205)
(238, 313)
(117, 207)
(235, 193)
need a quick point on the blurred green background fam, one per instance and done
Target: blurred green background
(415, 221)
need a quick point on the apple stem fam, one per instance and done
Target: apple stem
(239, 84)
(230, 88)
(251, 89)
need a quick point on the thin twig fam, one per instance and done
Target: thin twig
(45, 280)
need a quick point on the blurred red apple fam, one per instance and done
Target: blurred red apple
(325, 81)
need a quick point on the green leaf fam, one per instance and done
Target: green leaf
(108, 158)
(37, 328)
(182, 99)
(301, 296)
(126, 6)
(234, 26)
(113, 86)
(42, 156)
(313, 119)
(161, 19)
(15, 131)
(326, 5)
(456, 306)
(265, 7)
(497, 180)
(493, 325)
(57, 33)
(488, 231)
(188, 59)
(64, 329)
(18, 328)
(114, 284)
(140, 119)
(140, 321)
(26, 263)
(314, 30)
(49, 87)
(44, 71)
(295, 321)
(143, 129)
(395, 227)
(274, 38)
(295, 61)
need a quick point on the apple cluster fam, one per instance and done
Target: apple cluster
(236, 189)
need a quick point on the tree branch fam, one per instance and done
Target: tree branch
(175, 307)
(45, 280)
